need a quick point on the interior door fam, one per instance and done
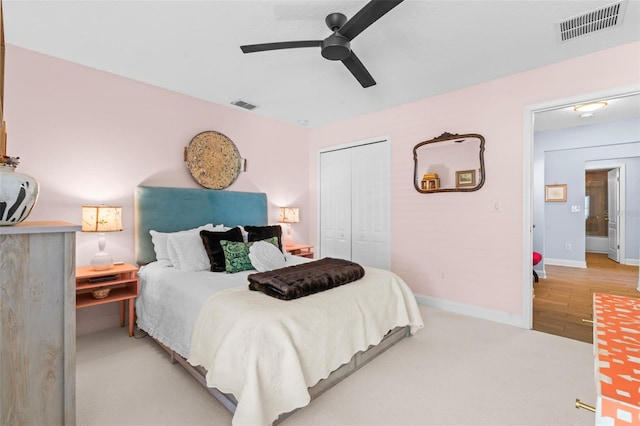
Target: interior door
(335, 204)
(355, 210)
(614, 214)
(370, 204)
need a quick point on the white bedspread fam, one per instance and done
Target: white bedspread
(170, 300)
(267, 352)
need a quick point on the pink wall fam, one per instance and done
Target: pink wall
(91, 137)
(457, 246)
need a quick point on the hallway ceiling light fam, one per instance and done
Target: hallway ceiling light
(591, 106)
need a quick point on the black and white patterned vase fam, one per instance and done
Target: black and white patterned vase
(18, 195)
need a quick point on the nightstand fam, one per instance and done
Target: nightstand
(121, 283)
(301, 250)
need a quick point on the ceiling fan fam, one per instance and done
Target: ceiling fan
(337, 47)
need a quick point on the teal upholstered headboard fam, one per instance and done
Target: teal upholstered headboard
(174, 209)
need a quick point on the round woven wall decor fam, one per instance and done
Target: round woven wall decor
(213, 160)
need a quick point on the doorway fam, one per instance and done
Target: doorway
(596, 211)
(528, 184)
(606, 225)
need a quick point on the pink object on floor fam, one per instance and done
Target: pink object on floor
(537, 257)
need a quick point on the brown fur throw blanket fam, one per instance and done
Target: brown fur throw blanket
(301, 280)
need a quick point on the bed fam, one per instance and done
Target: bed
(260, 356)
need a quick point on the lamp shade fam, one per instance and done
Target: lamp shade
(289, 215)
(101, 218)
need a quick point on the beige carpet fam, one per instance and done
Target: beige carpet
(456, 371)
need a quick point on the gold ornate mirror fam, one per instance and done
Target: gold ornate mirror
(449, 163)
(213, 160)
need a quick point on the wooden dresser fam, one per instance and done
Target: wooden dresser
(37, 323)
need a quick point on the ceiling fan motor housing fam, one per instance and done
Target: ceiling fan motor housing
(336, 47)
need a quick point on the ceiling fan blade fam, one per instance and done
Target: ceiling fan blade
(358, 70)
(366, 16)
(280, 45)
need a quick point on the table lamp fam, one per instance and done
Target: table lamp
(288, 215)
(101, 219)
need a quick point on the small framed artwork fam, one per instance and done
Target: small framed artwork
(465, 178)
(555, 192)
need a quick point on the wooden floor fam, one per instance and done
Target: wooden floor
(565, 297)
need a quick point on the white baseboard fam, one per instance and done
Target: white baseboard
(471, 311)
(597, 251)
(565, 262)
(632, 262)
(581, 264)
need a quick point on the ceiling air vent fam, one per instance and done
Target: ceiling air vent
(243, 104)
(590, 22)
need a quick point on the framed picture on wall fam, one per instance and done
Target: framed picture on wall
(465, 178)
(555, 192)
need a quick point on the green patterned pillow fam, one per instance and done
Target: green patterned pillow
(236, 255)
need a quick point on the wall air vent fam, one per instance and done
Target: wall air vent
(590, 22)
(243, 104)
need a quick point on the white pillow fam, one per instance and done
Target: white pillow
(245, 234)
(160, 239)
(265, 256)
(186, 250)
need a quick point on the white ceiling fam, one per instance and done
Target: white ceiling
(616, 109)
(419, 49)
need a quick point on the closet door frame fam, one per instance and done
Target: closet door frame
(380, 139)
